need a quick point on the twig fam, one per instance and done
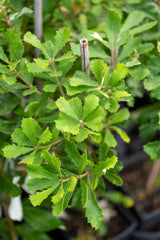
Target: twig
(38, 23)
(57, 80)
(78, 177)
(85, 56)
(153, 176)
(6, 17)
(23, 80)
(51, 144)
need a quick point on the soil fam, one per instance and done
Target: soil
(135, 179)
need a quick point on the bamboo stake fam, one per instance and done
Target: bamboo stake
(38, 28)
(153, 176)
(85, 56)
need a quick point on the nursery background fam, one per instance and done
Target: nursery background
(79, 119)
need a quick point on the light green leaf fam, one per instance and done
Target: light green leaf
(80, 78)
(152, 83)
(133, 19)
(94, 119)
(83, 134)
(33, 40)
(34, 68)
(119, 73)
(39, 172)
(3, 56)
(72, 107)
(72, 184)
(59, 195)
(24, 11)
(50, 88)
(45, 137)
(36, 184)
(142, 28)
(31, 129)
(97, 67)
(65, 56)
(91, 103)
(37, 198)
(94, 182)
(56, 74)
(14, 151)
(112, 27)
(112, 177)
(93, 211)
(48, 49)
(61, 39)
(139, 74)
(41, 62)
(10, 79)
(122, 134)
(74, 155)
(109, 139)
(16, 48)
(104, 165)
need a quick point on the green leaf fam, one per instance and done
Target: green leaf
(16, 48)
(24, 11)
(59, 195)
(153, 149)
(72, 107)
(118, 197)
(72, 184)
(112, 177)
(84, 195)
(112, 27)
(122, 134)
(34, 68)
(93, 212)
(61, 39)
(39, 172)
(30, 91)
(14, 151)
(142, 28)
(52, 161)
(109, 139)
(33, 40)
(118, 117)
(152, 83)
(31, 129)
(94, 119)
(48, 49)
(94, 182)
(97, 67)
(36, 184)
(37, 198)
(50, 88)
(119, 73)
(3, 56)
(83, 134)
(139, 74)
(80, 78)
(7, 103)
(20, 138)
(42, 62)
(104, 165)
(45, 137)
(133, 19)
(74, 155)
(91, 103)
(10, 79)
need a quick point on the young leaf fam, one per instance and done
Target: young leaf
(142, 28)
(120, 116)
(71, 184)
(59, 195)
(52, 161)
(153, 149)
(20, 138)
(109, 139)
(91, 103)
(45, 137)
(39, 172)
(61, 39)
(93, 211)
(3, 56)
(112, 177)
(33, 40)
(74, 155)
(84, 195)
(112, 27)
(119, 73)
(122, 134)
(80, 78)
(37, 198)
(97, 67)
(105, 165)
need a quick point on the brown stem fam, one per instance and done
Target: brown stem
(78, 177)
(113, 57)
(23, 80)
(51, 144)
(57, 80)
(6, 17)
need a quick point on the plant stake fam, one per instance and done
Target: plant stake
(85, 56)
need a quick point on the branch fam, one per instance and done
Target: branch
(57, 80)
(6, 17)
(24, 81)
(51, 144)
(78, 177)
